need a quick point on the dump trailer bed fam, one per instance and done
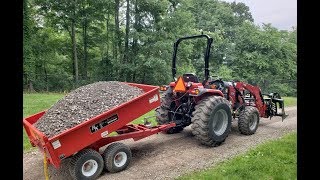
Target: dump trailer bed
(93, 133)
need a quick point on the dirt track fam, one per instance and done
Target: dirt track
(165, 156)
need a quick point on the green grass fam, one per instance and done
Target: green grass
(276, 159)
(140, 120)
(34, 103)
(290, 101)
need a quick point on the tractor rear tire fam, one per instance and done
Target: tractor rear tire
(86, 164)
(211, 121)
(162, 113)
(117, 156)
(248, 120)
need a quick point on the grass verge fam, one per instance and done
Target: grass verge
(276, 159)
(290, 101)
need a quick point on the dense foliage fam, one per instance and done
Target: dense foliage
(71, 43)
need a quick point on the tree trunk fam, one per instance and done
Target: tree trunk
(85, 49)
(117, 27)
(108, 16)
(126, 44)
(144, 77)
(106, 68)
(117, 37)
(135, 40)
(31, 89)
(46, 76)
(74, 47)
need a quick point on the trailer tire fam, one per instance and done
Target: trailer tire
(162, 113)
(111, 155)
(248, 120)
(211, 121)
(86, 157)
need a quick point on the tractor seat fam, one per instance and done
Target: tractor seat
(227, 84)
(190, 77)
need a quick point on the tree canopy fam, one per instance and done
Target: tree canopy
(71, 43)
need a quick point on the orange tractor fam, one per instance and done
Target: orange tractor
(211, 105)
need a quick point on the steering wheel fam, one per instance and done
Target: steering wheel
(218, 83)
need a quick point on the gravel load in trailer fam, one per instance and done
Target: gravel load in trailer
(122, 103)
(84, 103)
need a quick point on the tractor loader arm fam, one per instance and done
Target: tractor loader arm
(269, 106)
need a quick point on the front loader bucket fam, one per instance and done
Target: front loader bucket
(276, 105)
(279, 103)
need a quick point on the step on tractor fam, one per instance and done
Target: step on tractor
(211, 105)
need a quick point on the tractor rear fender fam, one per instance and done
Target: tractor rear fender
(208, 92)
(213, 92)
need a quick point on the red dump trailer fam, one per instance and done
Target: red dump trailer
(82, 142)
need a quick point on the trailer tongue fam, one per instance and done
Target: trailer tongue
(82, 142)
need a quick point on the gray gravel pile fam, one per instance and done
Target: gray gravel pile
(84, 103)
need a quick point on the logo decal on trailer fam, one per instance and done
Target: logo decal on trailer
(154, 99)
(104, 123)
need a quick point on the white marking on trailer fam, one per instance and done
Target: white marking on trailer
(104, 134)
(154, 98)
(56, 144)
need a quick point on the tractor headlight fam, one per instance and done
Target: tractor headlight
(196, 91)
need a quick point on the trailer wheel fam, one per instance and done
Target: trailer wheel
(87, 164)
(117, 157)
(248, 120)
(211, 121)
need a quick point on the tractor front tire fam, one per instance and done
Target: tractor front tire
(248, 120)
(162, 113)
(211, 121)
(86, 164)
